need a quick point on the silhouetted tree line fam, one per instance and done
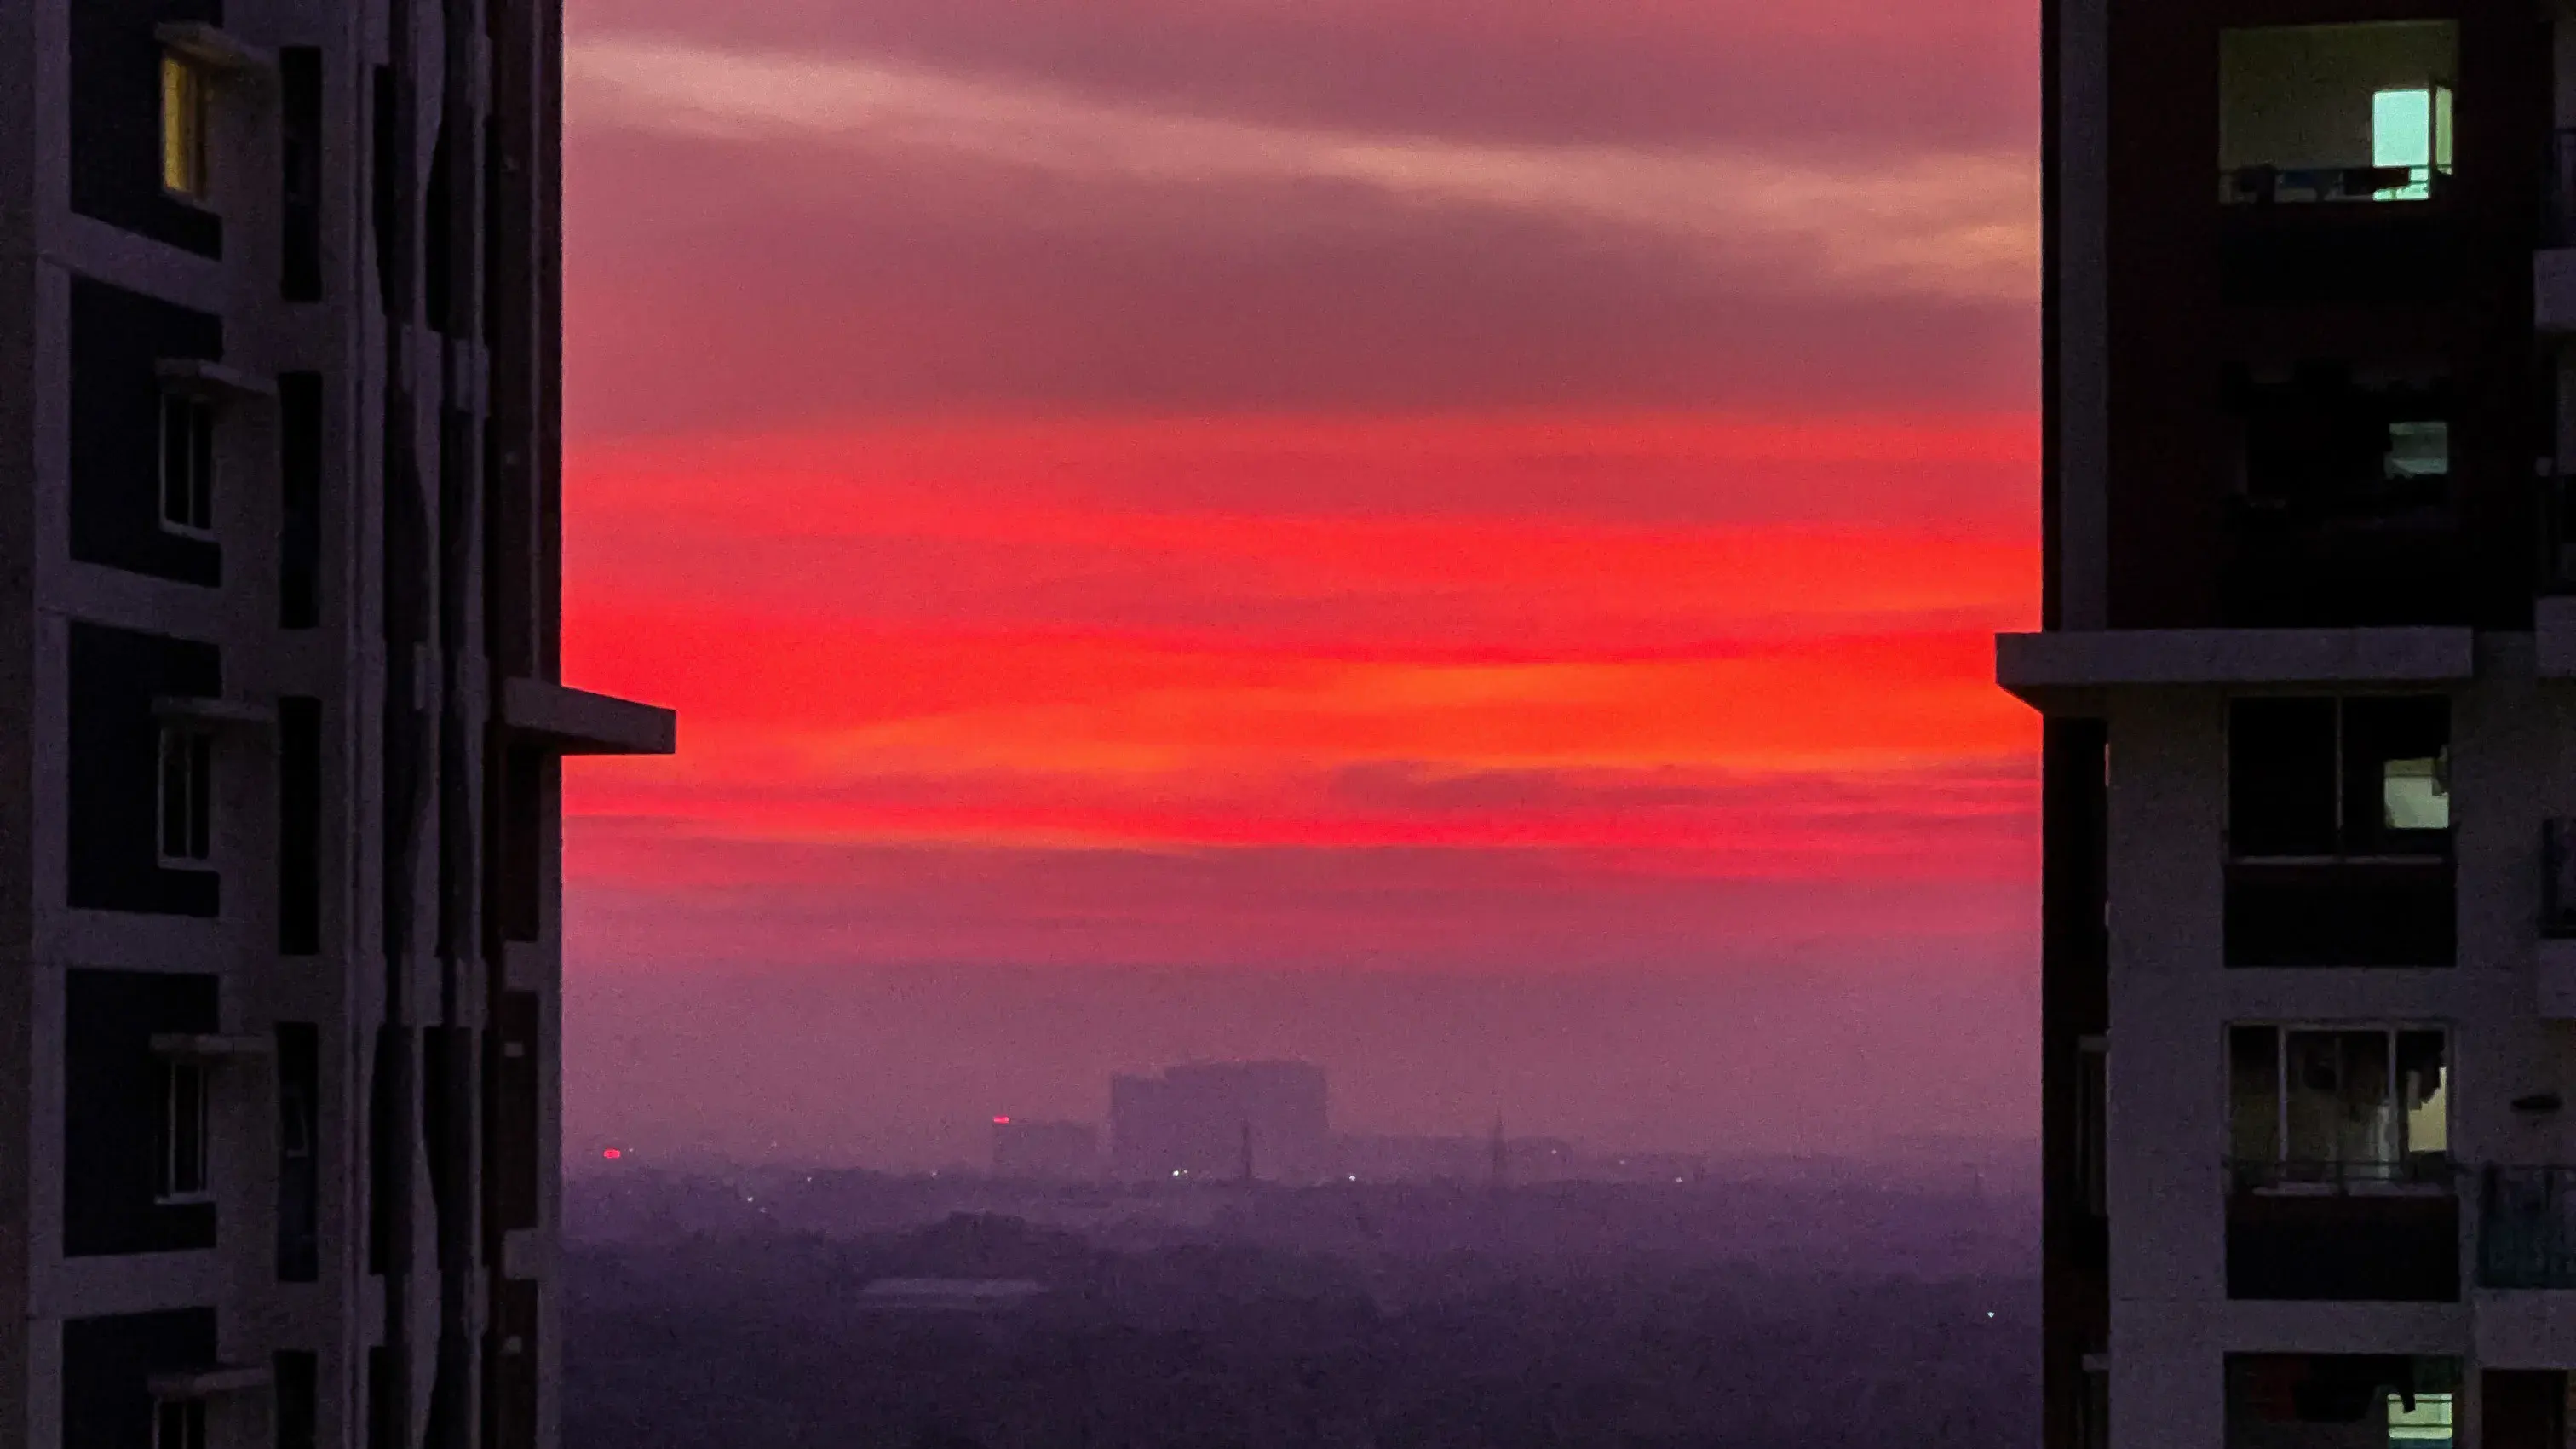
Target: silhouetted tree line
(760, 1339)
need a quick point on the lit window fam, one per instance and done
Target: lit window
(2415, 795)
(183, 128)
(187, 464)
(2410, 131)
(2339, 1106)
(2336, 113)
(183, 1132)
(187, 798)
(2417, 450)
(2427, 1422)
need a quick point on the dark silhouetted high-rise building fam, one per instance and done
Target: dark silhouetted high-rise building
(281, 723)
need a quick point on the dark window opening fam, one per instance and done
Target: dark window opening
(297, 1391)
(299, 826)
(299, 1146)
(182, 1149)
(108, 1365)
(387, 197)
(299, 79)
(511, 1122)
(187, 465)
(299, 457)
(437, 247)
(179, 1424)
(520, 860)
(134, 1129)
(187, 798)
(2092, 1121)
(2339, 832)
(2344, 507)
(2558, 879)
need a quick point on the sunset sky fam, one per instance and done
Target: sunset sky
(1460, 540)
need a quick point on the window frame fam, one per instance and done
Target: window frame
(2281, 1170)
(186, 118)
(199, 455)
(2345, 832)
(193, 795)
(184, 1149)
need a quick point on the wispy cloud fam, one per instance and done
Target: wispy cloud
(1948, 226)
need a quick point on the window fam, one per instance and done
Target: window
(2338, 1106)
(187, 799)
(2410, 134)
(2336, 113)
(183, 1132)
(2339, 833)
(2419, 1419)
(2092, 1122)
(2296, 1400)
(2327, 778)
(183, 127)
(179, 1424)
(187, 465)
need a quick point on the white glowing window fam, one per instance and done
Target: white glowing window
(2429, 1422)
(2414, 795)
(2410, 130)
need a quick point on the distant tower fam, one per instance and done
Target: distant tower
(1502, 1161)
(1247, 1154)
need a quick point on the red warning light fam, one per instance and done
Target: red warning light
(612, 1153)
(1001, 1121)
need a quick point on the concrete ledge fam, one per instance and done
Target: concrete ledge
(196, 1046)
(213, 379)
(2525, 1328)
(2035, 666)
(577, 722)
(205, 1383)
(214, 46)
(214, 713)
(2553, 292)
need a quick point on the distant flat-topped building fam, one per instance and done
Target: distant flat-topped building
(279, 723)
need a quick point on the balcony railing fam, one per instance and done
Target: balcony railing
(2344, 1232)
(2282, 185)
(2416, 1173)
(2527, 1227)
(2349, 911)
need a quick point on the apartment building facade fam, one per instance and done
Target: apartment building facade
(281, 723)
(2308, 677)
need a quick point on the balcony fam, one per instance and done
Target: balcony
(2336, 155)
(2344, 1232)
(2354, 911)
(2371, 564)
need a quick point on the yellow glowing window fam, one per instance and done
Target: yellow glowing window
(183, 128)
